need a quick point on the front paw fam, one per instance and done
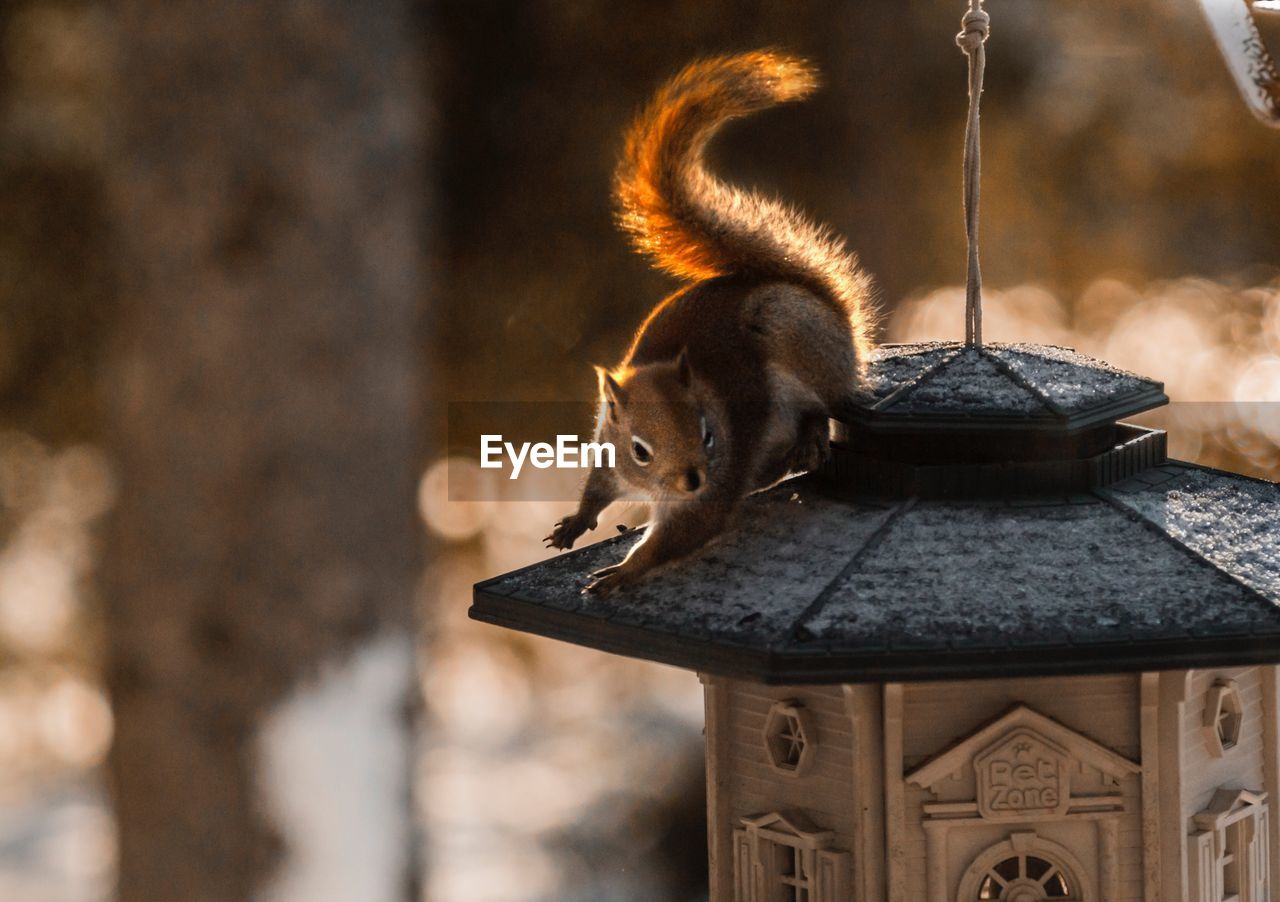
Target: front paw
(567, 531)
(610, 579)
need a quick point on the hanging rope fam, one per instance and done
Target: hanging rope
(971, 39)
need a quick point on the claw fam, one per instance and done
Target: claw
(567, 531)
(605, 580)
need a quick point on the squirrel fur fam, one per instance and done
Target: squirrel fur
(728, 383)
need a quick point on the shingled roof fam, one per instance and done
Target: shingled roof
(943, 385)
(1178, 567)
(1117, 561)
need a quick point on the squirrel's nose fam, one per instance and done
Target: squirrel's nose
(692, 480)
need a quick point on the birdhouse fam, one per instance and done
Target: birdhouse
(1001, 648)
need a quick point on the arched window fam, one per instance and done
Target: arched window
(1025, 868)
(1026, 877)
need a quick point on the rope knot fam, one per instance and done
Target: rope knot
(974, 28)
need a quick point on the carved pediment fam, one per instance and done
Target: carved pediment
(1227, 805)
(1022, 764)
(791, 825)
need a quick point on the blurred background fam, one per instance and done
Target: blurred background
(1130, 209)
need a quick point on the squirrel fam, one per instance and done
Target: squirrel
(727, 385)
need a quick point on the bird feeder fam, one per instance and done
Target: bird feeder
(1000, 648)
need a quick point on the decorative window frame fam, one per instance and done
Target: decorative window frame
(787, 722)
(1223, 716)
(1230, 853)
(1023, 845)
(826, 873)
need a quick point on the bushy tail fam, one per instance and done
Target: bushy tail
(695, 226)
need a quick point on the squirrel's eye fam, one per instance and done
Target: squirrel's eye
(707, 438)
(641, 452)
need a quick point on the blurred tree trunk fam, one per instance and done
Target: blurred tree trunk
(261, 403)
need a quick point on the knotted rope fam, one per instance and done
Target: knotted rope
(971, 39)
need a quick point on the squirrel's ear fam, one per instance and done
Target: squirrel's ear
(609, 387)
(683, 369)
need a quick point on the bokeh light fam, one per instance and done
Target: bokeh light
(456, 514)
(1211, 343)
(57, 841)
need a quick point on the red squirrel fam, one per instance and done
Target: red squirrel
(728, 382)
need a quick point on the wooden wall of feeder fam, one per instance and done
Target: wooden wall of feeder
(1001, 647)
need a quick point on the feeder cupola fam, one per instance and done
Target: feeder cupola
(940, 419)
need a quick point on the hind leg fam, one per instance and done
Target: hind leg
(809, 346)
(796, 436)
(807, 338)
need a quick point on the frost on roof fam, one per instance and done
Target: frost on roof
(1070, 380)
(1175, 554)
(970, 384)
(748, 587)
(969, 576)
(1231, 520)
(998, 379)
(892, 367)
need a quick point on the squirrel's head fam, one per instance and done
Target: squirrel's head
(663, 431)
